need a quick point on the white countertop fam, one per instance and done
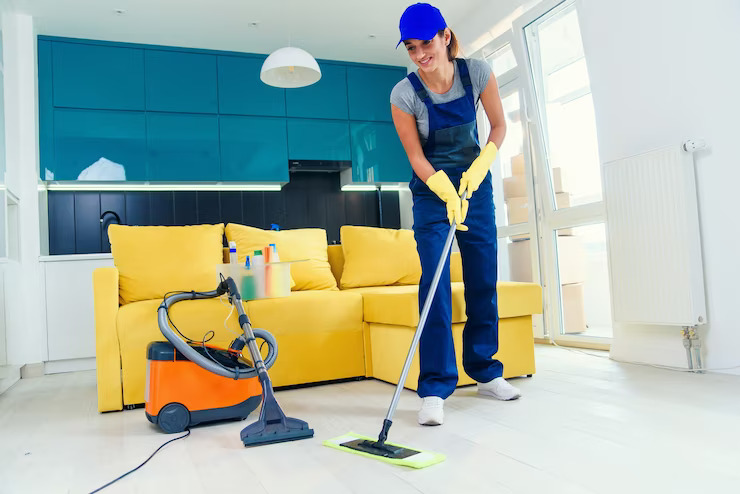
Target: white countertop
(75, 257)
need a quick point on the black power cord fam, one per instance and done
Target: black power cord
(141, 465)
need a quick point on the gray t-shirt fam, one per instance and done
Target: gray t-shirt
(404, 97)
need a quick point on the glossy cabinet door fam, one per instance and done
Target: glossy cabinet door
(377, 153)
(98, 145)
(97, 76)
(181, 82)
(324, 99)
(182, 147)
(314, 139)
(241, 92)
(254, 149)
(369, 92)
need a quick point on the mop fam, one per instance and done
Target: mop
(398, 454)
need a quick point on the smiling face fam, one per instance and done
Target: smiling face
(429, 55)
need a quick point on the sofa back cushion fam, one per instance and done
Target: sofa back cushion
(154, 260)
(378, 257)
(306, 244)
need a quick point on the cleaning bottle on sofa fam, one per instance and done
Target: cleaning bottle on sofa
(258, 266)
(267, 253)
(233, 259)
(248, 289)
(275, 278)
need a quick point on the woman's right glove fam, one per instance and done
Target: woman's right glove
(440, 184)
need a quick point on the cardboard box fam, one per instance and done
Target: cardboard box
(557, 180)
(515, 186)
(517, 165)
(520, 261)
(571, 260)
(517, 210)
(574, 309)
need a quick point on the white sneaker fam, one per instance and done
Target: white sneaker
(499, 388)
(431, 412)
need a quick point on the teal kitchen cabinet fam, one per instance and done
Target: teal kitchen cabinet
(97, 76)
(181, 82)
(182, 147)
(241, 92)
(324, 99)
(377, 153)
(369, 92)
(98, 145)
(46, 109)
(314, 139)
(254, 149)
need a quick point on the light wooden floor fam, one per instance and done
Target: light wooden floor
(584, 424)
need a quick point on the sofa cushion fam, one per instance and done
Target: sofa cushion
(378, 257)
(314, 344)
(153, 260)
(306, 244)
(319, 333)
(399, 305)
(136, 325)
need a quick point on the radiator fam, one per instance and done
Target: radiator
(654, 240)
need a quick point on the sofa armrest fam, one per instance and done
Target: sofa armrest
(107, 348)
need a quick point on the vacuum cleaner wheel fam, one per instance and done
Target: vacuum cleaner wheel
(173, 418)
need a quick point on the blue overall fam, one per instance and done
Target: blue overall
(452, 146)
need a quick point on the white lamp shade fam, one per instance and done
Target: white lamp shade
(290, 67)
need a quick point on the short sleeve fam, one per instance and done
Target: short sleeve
(480, 73)
(402, 96)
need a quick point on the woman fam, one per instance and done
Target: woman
(434, 112)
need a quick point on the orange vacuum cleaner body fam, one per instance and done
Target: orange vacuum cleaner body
(180, 393)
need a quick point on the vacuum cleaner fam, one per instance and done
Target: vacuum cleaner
(189, 382)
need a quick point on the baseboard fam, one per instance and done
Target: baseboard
(588, 345)
(71, 365)
(30, 371)
(9, 375)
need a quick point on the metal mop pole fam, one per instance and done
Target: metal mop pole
(417, 336)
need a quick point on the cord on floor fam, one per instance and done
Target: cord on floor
(144, 463)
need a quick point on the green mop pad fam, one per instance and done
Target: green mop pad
(419, 460)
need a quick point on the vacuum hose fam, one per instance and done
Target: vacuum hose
(201, 360)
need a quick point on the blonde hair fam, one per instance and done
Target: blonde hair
(453, 49)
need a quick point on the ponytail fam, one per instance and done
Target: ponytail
(453, 48)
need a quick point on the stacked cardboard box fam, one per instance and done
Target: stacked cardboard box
(571, 255)
(515, 195)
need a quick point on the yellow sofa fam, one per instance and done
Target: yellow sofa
(322, 335)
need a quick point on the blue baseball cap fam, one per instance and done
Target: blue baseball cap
(420, 21)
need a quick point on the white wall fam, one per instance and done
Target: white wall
(661, 72)
(25, 331)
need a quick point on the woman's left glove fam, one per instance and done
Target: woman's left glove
(474, 175)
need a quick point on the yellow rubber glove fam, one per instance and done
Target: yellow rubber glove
(440, 184)
(472, 178)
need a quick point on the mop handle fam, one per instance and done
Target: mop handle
(423, 317)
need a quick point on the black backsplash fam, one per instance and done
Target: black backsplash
(309, 200)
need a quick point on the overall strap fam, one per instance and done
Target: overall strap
(419, 88)
(462, 66)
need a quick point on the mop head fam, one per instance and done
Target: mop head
(415, 458)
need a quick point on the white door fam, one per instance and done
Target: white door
(547, 185)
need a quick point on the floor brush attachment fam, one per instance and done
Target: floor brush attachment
(273, 426)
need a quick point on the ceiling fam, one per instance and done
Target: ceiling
(328, 29)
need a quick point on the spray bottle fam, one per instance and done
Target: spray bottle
(258, 266)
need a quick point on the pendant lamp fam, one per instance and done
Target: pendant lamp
(290, 67)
